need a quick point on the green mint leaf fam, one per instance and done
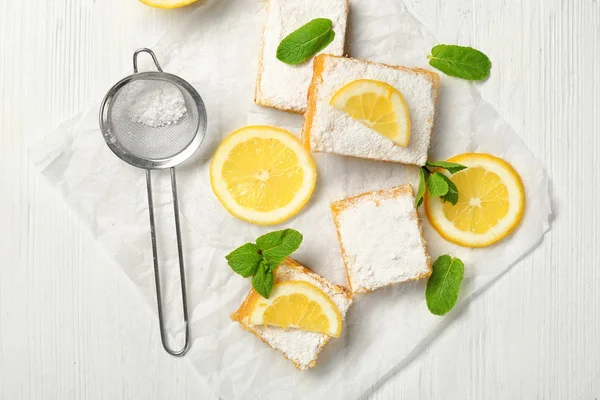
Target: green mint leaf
(449, 166)
(306, 41)
(276, 246)
(244, 260)
(444, 284)
(461, 62)
(437, 185)
(260, 260)
(263, 280)
(270, 240)
(422, 186)
(452, 195)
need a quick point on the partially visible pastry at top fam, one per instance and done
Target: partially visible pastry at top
(328, 129)
(285, 86)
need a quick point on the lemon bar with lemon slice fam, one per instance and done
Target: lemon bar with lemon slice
(375, 111)
(285, 86)
(318, 305)
(381, 238)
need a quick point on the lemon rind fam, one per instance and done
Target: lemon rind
(167, 6)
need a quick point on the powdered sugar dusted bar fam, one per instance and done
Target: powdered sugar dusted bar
(330, 130)
(300, 347)
(284, 86)
(381, 238)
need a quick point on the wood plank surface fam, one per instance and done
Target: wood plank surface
(73, 327)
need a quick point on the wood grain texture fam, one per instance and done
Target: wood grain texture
(73, 327)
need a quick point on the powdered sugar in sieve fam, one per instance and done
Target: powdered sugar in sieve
(154, 103)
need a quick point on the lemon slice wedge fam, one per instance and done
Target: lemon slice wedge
(378, 105)
(167, 3)
(491, 202)
(262, 174)
(299, 305)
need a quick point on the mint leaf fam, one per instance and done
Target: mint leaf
(276, 246)
(452, 195)
(437, 184)
(264, 279)
(444, 284)
(421, 192)
(260, 260)
(461, 62)
(244, 260)
(449, 166)
(306, 41)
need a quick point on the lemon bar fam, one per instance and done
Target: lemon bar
(285, 86)
(329, 130)
(381, 238)
(300, 347)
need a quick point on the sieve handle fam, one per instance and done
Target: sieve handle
(145, 50)
(163, 331)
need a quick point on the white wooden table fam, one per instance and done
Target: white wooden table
(73, 327)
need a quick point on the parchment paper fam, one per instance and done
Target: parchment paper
(217, 52)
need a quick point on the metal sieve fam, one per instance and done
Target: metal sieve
(151, 148)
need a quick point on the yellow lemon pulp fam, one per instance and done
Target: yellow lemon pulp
(378, 105)
(299, 305)
(262, 174)
(491, 202)
(167, 3)
(482, 201)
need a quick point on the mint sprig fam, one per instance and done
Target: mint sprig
(306, 41)
(461, 62)
(438, 184)
(451, 196)
(449, 166)
(276, 246)
(264, 279)
(444, 284)
(261, 259)
(424, 175)
(244, 260)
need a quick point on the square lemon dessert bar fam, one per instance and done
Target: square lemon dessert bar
(285, 86)
(381, 238)
(300, 347)
(330, 130)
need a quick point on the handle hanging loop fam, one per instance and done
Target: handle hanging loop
(145, 50)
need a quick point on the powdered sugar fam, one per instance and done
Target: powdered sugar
(381, 239)
(334, 131)
(154, 103)
(298, 346)
(285, 86)
(302, 347)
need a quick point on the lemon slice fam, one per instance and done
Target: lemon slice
(378, 105)
(262, 174)
(491, 202)
(296, 304)
(168, 3)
